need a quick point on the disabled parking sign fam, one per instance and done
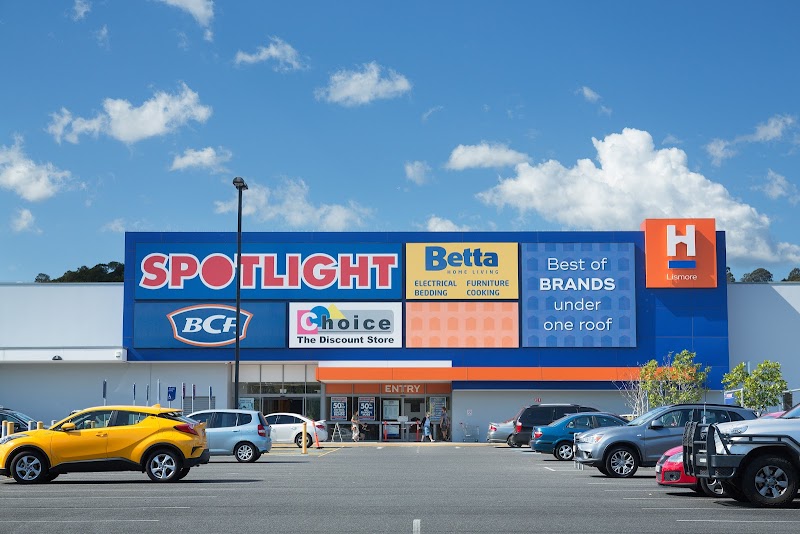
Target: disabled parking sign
(171, 393)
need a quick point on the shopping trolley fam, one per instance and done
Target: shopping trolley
(469, 432)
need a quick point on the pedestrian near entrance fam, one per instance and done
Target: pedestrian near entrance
(445, 425)
(355, 426)
(426, 427)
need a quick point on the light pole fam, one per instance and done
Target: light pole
(240, 186)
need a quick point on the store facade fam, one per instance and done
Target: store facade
(393, 325)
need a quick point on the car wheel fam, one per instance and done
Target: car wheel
(509, 442)
(182, 473)
(712, 487)
(50, 476)
(621, 462)
(769, 481)
(163, 465)
(563, 451)
(602, 470)
(245, 452)
(298, 440)
(28, 467)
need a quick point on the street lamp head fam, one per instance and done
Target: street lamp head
(239, 184)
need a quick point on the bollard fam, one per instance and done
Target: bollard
(39, 425)
(31, 425)
(316, 436)
(303, 437)
(3, 431)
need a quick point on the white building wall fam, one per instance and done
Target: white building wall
(48, 391)
(764, 324)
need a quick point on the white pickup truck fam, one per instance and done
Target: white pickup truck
(757, 461)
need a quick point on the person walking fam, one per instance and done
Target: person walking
(445, 424)
(426, 427)
(355, 426)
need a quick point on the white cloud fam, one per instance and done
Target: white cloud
(484, 155)
(30, 180)
(291, 208)
(355, 88)
(201, 10)
(285, 56)
(633, 182)
(437, 224)
(205, 158)
(80, 9)
(772, 130)
(588, 94)
(427, 114)
(417, 171)
(120, 226)
(671, 140)
(102, 37)
(777, 186)
(24, 221)
(160, 115)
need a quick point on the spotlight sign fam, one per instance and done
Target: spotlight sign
(345, 325)
(461, 271)
(270, 271)
(578, 295)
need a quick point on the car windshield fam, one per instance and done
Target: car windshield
(561, 420)
(794, 413)
(22, 416)
(647, 415)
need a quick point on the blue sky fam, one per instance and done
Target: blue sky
(394, 116)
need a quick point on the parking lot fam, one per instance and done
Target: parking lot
(373, 488)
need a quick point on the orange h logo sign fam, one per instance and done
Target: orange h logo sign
(680, 252)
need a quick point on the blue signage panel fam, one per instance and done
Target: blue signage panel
(172, 391)
(270, 271)
(578, 295)
(208, 325)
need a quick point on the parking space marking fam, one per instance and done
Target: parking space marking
(550, 469)
(82, 521)
(416, 526)
(737, 521)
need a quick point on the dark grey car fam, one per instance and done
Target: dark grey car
(620, 451)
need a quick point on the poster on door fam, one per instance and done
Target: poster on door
(435, 405)
(366, 408)
(391, 409)
(338, 408)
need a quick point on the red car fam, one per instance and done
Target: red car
(669, 472)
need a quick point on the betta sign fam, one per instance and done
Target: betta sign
(207, 325)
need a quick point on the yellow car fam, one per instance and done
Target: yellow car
(159, 441)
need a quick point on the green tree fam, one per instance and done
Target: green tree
(729, 275)
(761, 388)
(760, 275)
(102, 272)
(678, 379)
(794, 276)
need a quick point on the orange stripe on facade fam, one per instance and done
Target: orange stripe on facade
(450, 374)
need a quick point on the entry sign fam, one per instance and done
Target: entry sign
(171, 393)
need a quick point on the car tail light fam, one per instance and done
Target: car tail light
(320, 426)
(518, 428)
(186, 428)
(537, 434)
(262, 431)
(492, 428)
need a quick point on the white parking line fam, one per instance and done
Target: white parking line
(416, 527)
(550, 469)
(736, 521)
(82, 521)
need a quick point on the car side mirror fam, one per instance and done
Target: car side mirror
(655, 423)
(66, 427)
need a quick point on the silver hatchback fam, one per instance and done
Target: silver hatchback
(244, 434)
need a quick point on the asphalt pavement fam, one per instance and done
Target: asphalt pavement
(379, 488)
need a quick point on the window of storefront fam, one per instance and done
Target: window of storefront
(281, 388)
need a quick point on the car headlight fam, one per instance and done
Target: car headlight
(677, 457)
(593, 438)
(738, 430)
(12, 437)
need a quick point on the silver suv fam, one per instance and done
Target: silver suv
(244, 434)
(619, 451)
